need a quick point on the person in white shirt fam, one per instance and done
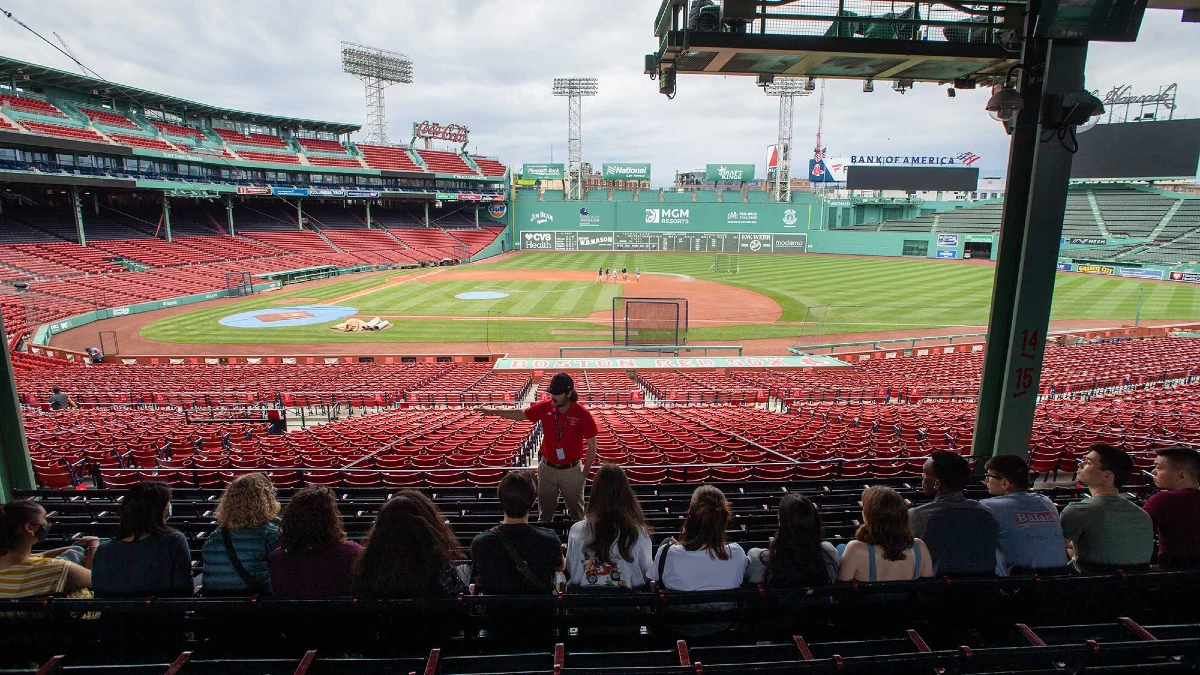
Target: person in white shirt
(701, 560)
(610, 547)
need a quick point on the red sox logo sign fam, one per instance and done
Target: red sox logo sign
(455, 133)
(818, 170)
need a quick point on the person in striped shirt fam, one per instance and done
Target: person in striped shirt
(24, 574)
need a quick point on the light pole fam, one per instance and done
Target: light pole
(378, 69)
(575, 88)
(787, 89)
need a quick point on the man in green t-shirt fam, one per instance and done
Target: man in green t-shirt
(1105, 529)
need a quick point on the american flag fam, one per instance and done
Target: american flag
(819, 154)
(968, 158)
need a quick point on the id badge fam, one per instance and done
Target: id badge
(560, 454)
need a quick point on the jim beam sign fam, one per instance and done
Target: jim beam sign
(430, 131)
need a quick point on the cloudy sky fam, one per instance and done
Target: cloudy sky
(488, 64)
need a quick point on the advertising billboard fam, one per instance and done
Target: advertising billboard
(729, 173)
(543, 171)
(625, 171)
(912, 178)
(1147, 149)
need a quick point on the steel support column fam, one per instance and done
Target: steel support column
(368, 215)
(77, 210)
(426, 214)
(229, 216)
(167, 217)
(15, 470)
(1011, 409)
(299, 214)
(1009, 246)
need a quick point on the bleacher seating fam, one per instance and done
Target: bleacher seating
(372, 246)
(320, 145)
(258, 140)
(343, 162)
(477, 240)
(77, 133)
(178, 130)
(441, 161)
(108, 118)
(143, 142)
(269, 157)
(296, 241)
(30, 105)
(490, 167)
(388, 157)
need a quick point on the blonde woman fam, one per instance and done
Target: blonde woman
(235, 554)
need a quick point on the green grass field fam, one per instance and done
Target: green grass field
(525, 298)
(833, 295)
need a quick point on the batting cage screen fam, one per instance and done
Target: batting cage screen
(649, 321)
(239, 283)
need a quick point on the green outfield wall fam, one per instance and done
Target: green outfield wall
(712, 228)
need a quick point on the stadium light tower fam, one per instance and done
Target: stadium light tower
(787, 89)
(378, 69)
(575, 88)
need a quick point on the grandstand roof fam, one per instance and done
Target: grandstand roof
(31, 75)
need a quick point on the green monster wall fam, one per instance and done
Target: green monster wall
(709, 228)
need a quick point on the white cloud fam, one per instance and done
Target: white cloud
(489, 64)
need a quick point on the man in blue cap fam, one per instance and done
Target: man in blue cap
(563, 466)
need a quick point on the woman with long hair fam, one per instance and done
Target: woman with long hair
(884, 548)
(410, 552)
(25, 574)
(701, 560)
(610, 547)
(235, 554)
(146, 557)
(797, 556)
(314, 560)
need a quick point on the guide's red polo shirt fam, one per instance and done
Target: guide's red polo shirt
(567, 431)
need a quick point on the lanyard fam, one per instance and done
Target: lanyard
(557, 429)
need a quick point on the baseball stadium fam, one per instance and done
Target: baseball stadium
(198, 301)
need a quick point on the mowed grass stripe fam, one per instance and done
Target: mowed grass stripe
(845, 294)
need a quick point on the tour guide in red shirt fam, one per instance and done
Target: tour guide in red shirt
(565, 427)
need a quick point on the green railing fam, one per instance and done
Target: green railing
(655, 349)
(909, 343)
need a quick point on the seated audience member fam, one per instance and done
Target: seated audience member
(314, 560)
(1105, 529)
(60, 401)
(1030, 535)
(515, 557)
(701, 560)
(884, 548)
(24, 574)
(235, 554)
(410, 552)
(1176, 510)
(960, 533)
(610, 547)
(798, 557)
(146, 557)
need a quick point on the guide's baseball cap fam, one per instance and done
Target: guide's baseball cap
(561, 384)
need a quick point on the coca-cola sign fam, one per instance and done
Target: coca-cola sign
(455, 133)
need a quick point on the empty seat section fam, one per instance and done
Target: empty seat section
(388, 157)
(30, 105)
(259, 140)
(64, 132)
(269, 157)
(178, 130)
(143, 142)
(108, 118)
(440, 161)
(490, 167)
